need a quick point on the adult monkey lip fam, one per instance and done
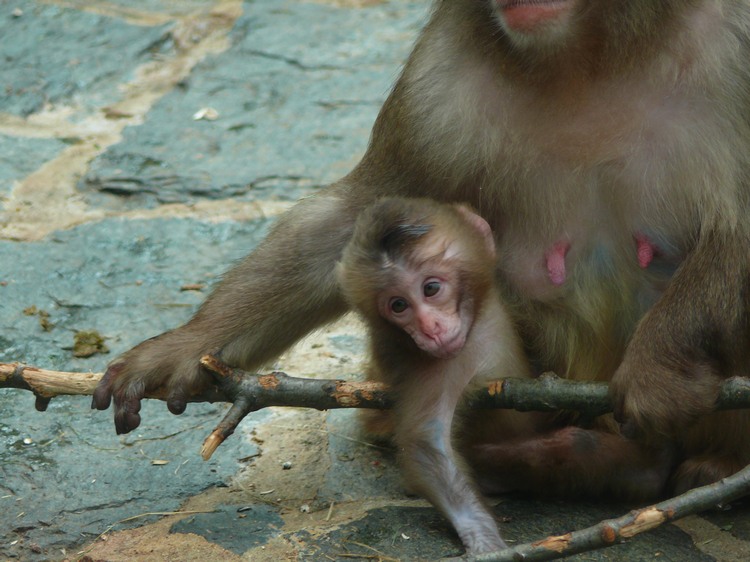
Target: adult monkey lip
(528, 15)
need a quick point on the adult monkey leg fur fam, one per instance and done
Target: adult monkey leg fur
(608, 147)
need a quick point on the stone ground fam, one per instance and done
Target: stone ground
(144, 146)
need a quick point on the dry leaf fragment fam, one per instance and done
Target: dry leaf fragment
(87, 343)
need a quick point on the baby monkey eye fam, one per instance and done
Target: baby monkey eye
(398, 305)
(431, 288)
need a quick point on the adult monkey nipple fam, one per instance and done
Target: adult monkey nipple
(645, 250)
(555, 258)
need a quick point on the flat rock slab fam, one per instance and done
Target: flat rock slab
(321, 91)
(147, 145)
(56, 55)
(21, 156)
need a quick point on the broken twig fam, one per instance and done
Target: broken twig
(611, 532)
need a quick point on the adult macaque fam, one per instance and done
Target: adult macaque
(422, 276)
(607, 144)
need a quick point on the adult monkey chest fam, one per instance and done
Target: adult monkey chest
(616, 186)
(617, 168)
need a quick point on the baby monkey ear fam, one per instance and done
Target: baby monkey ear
(479, 224)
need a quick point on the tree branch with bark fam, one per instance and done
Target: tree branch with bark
(611, 532)
(249, 392)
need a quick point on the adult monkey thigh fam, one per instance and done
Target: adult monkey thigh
(607, 145)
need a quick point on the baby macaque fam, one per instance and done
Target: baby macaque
(421, 274)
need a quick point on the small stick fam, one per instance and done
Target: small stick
(615, 531)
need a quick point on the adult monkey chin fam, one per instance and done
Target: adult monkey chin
(607, 145)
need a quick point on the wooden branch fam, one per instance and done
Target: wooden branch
(548, 392)
(322, 394)
(545, 393)
(615, 531)
(46, 384)
(249, 392)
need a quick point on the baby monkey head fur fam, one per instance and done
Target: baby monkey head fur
(398, 236)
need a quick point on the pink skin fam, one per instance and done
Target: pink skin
(438, 334)
(526, 16)
(433, 321)
(645, 249)
(430, 307)
(555, 257)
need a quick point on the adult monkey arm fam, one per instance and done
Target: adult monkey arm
(687, 344)
(283, 290)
